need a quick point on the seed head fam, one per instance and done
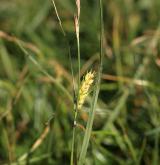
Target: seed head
(84, 89)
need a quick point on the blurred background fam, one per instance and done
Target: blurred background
(36, 89)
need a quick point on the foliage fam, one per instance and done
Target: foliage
(36, 82)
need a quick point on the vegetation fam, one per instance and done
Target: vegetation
(50, 53)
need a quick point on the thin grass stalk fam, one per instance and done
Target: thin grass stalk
(60, 22)
(95, 96)
(61, 87)
(77, 26)
(66, 39)
(79, 63)
(77, 96)
(73, 140)
(72, 72)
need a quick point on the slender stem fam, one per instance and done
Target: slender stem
(60, 86)
(75, 101)
(73, 138)
(75, 106)
(60, 22)
(79, 63)
(95, 96)
(77, 93)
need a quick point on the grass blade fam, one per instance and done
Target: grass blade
(95, 96)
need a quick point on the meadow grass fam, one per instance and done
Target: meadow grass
(46, 50)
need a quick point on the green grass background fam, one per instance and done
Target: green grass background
(127, 121)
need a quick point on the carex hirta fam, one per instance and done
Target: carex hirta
(84, 88)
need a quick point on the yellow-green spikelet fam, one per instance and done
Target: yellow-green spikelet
(84, 89)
